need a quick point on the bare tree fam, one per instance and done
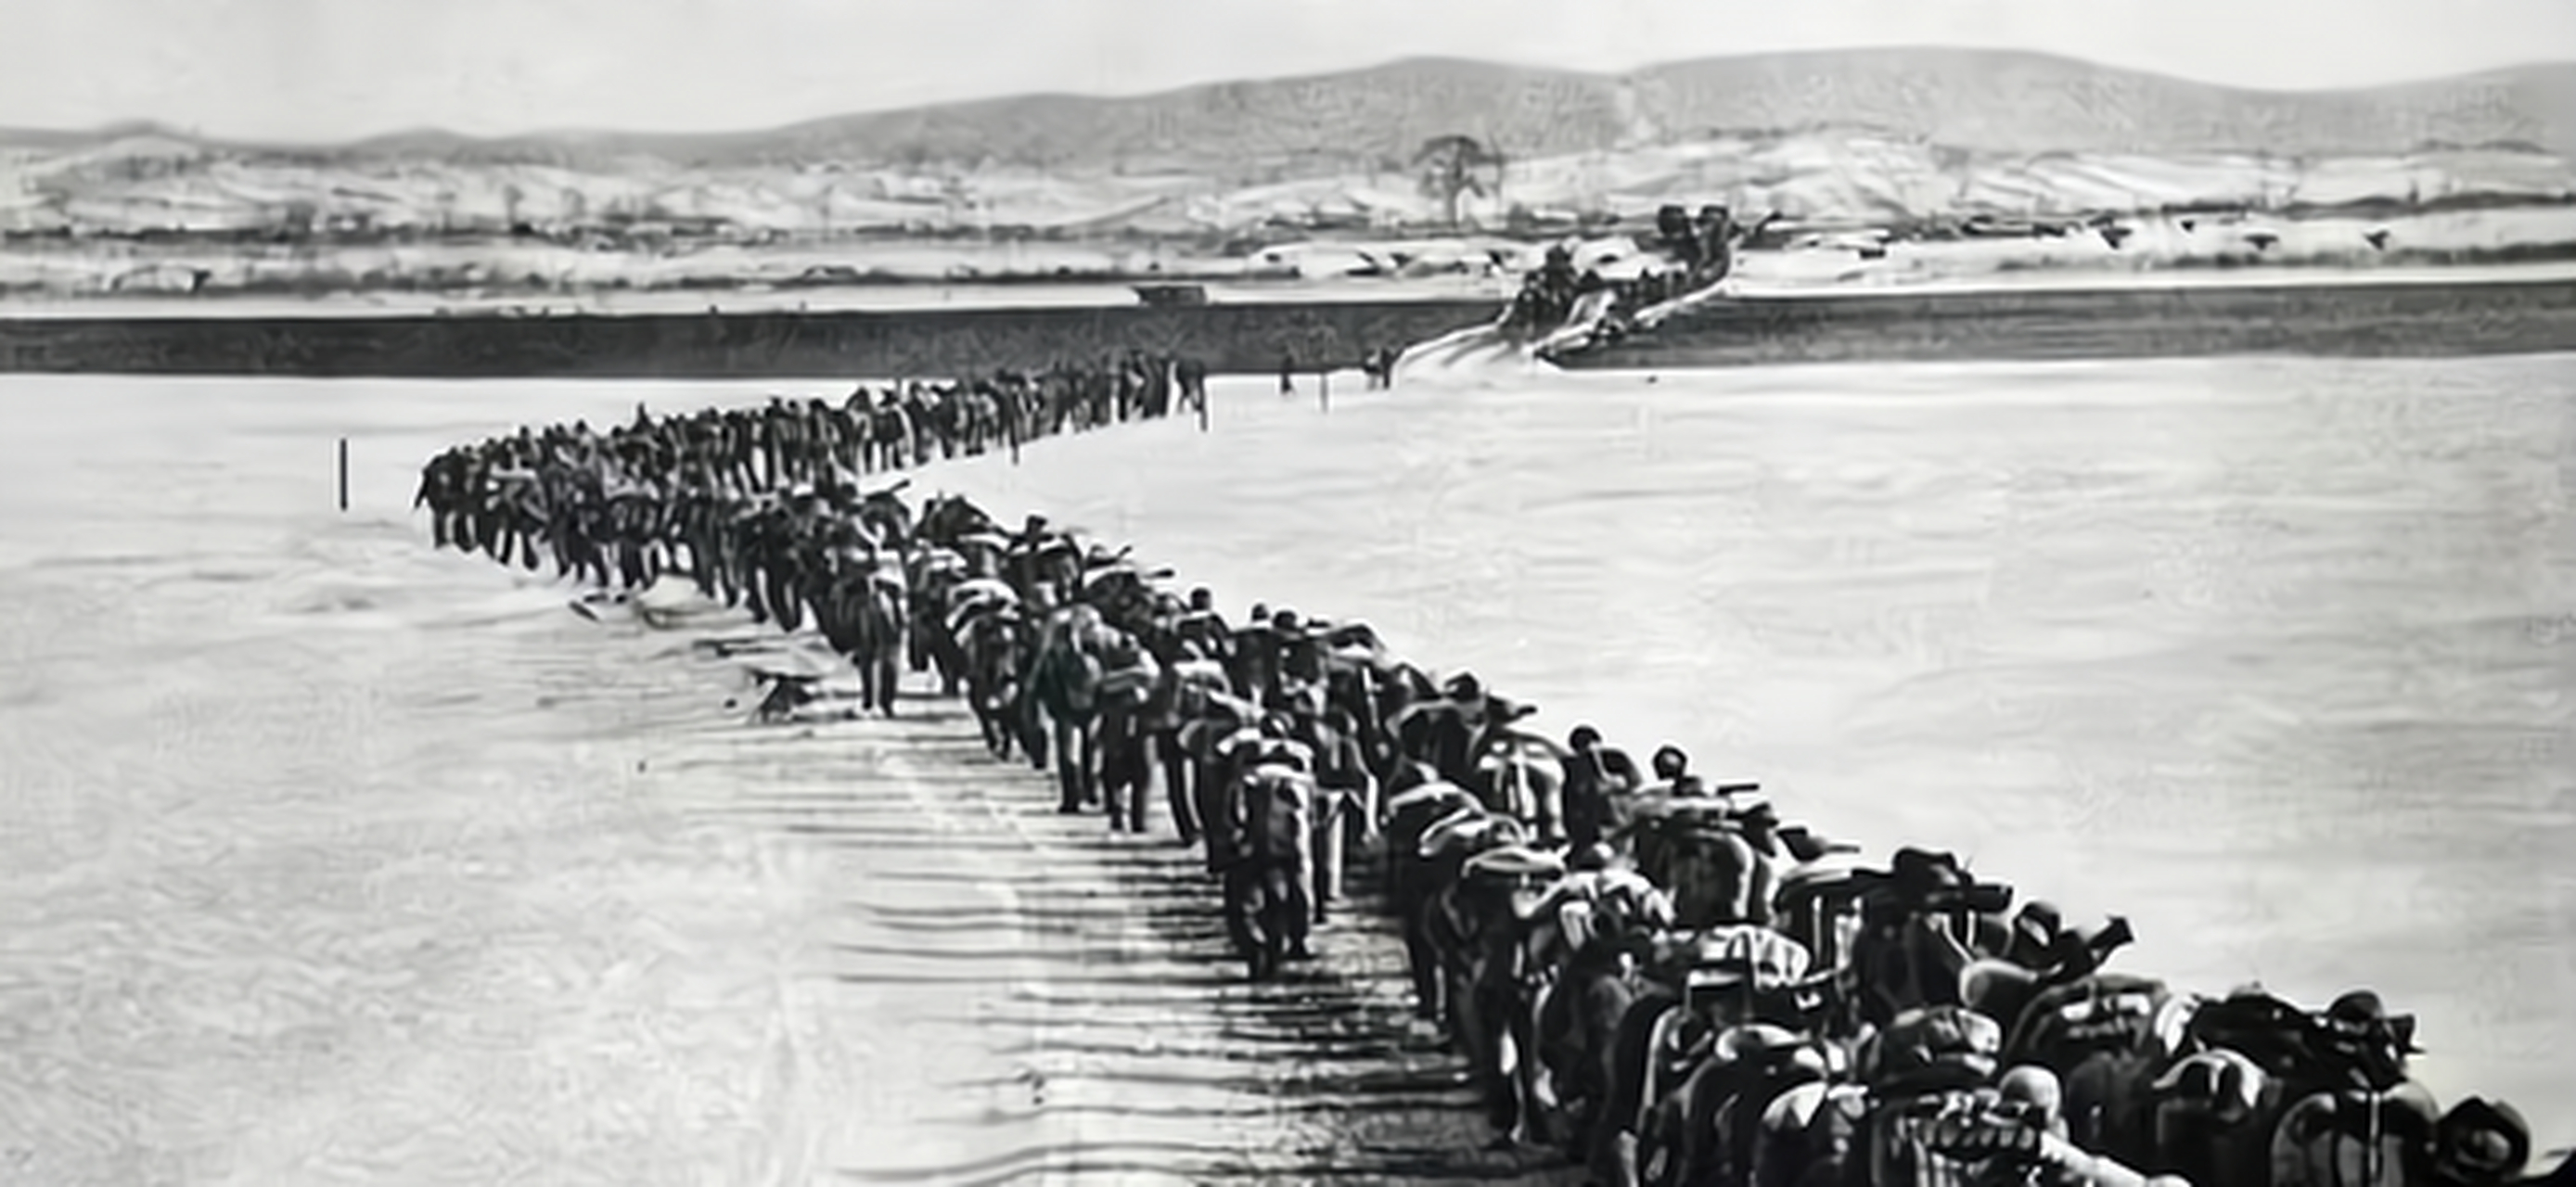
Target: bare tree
(1451, 167)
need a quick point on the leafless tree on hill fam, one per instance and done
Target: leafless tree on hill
(1454, 166)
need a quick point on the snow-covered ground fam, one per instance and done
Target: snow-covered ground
(2159, 250)
(148, 182)
(1841, 186)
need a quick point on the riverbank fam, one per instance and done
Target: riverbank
(1233, 338)
(924, 297)
(2424, 312)
(2426, 315)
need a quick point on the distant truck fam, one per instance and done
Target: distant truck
(1172, 294)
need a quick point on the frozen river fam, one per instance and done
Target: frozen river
(326, 859)
(2275, 656)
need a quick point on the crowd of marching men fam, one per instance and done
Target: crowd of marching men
(867, 432)
(1647, 970)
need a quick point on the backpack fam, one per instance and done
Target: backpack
(1279, 808)
(1933, 1139)
(2290, 1044)
(1931, 1049)
(2481, 1142)
(2104, 1012)
(2356, 1138)
(1809, 1135)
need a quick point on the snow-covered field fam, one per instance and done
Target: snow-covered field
(1841, 192)
(2159, 250)
(150, 182)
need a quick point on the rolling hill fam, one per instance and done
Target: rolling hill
(1990, 101)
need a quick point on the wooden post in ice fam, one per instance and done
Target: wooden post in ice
(344, 474)
(1324, 389)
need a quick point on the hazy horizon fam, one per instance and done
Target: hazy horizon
(320, 71)
(568, 130)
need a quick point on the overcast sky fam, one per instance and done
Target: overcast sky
(328, 69)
